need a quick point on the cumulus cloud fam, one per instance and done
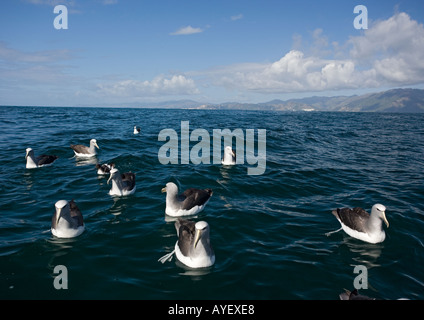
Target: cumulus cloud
(390, 52)
(396, 34)
(160, 85)
(393, 48)
(293, 73)
(186, 31)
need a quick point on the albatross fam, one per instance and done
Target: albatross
(84, 151)
(103, 169)
(193, 247)
(122, 184)
(136, 130)
(67, 221)
(359, 224)
(190, 202)
(229, 158)
(40, 161)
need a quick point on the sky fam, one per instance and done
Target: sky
(136, 52)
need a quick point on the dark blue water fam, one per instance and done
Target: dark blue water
(268, 230)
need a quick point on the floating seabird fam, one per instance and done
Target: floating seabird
(354, 295)
(189, 202)
(193, 247)
(40, 161)
(67, 221)
(229, 157)
(103, 169)
(359, 224)
(122, 184)
(136, 130)
(84, 151)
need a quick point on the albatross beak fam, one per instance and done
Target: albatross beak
(197, 237)
(96, 146)
(385, 220)
(58, 216)
(110, 177)
(163, 190)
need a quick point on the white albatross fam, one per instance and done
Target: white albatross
(190, 202)
(84, 151)
(40, 161)
(193, 247)
(359, 224)
(67, 221)
(104, 169)
(122, 184)
(229, 158)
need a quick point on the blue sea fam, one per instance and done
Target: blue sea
(268, 230)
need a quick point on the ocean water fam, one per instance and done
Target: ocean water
(268, 230)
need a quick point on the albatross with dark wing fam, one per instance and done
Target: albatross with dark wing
(122, 184)
(67, 221)
(193, 247)
(136, 130)
(189, 202)
(84, 151)
(359, 224)
(40, 161)
(103, 169)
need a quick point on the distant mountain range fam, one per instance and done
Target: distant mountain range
(395, 100)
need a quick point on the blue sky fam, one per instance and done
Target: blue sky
(127, 52)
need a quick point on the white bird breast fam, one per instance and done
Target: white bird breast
(67, 232)
(202, 261)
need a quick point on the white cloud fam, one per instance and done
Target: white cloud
(394, 48)
(395, 35)
(237, 17)
(186, 31)
(292, 73)
(389, 53)
(175, 85)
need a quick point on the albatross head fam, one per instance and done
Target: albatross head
(229, 154)
(28, 152)
(380, 211)
(202, 230)
(229, 151)
(170, 188)
(113, 172)
(61, 208)
(93, 142)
